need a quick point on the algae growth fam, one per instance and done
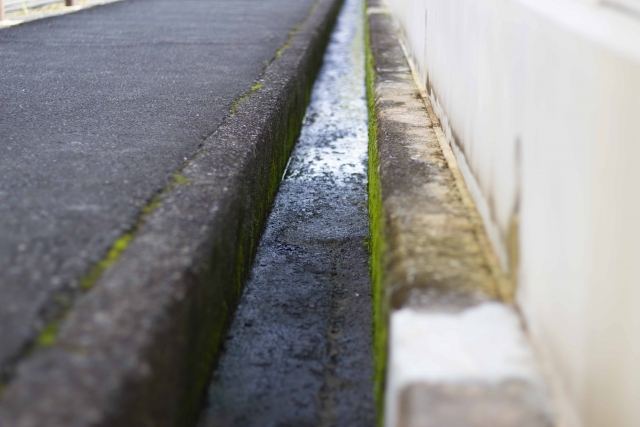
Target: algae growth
(377, 245)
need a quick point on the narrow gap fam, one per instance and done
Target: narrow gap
(299, 350)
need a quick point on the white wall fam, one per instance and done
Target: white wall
(541, 100)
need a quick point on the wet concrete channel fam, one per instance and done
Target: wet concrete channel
(298, 352)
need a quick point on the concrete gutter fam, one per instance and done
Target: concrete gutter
(457, 354)
(137, 350)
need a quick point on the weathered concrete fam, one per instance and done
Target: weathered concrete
(456, 358)
(425, 217)
(298, 352)
(109, 123)
(469, 405)
(539, 101)
(97, 111)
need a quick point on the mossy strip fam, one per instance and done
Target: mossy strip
(287, 44)
(48, 335)
(49, 332)
(234, 106)
(377, 244)
(119, 246)
(179, 180)
(279, 52)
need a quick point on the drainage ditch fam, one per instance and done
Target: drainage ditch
(299, 351)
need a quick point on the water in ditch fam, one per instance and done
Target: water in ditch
(298, 352)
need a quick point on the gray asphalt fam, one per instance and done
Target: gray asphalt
(97, 110)
(298, 352)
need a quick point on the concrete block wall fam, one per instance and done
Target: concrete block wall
(540, 100)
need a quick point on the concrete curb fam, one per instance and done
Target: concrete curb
(137, 350)
(456, 355)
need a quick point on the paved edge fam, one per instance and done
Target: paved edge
(448, 351)
(139, 347)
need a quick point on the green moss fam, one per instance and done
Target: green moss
(234, 106)
(118, 247)
(271, 168)
(154, 203)
(180, 180)
(48, 335)
(377, 245)
(241, 257)
(286, 133)
(287, 44)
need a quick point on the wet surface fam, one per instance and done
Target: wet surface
(299, 350)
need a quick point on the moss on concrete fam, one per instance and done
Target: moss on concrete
(287, 44)
(377, 244)
(118, 247)
(265, 183)
(48, 335)
(234, 106)
(180, 180)
(208, 311)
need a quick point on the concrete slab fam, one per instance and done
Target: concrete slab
(99, 110)
(457, 355)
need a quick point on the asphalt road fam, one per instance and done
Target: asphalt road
(298, 352)
(98, 109)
